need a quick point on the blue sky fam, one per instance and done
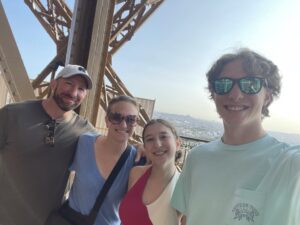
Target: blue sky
(167, 58)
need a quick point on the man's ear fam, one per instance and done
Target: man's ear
(106, 121)
(53, 84)
(178, 143)
(268, 98)
(213, 96)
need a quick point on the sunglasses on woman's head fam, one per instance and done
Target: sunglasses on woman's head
(117, 118)
(249, 85)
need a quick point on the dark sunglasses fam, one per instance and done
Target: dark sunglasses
(50, 126)
(117, 118)
(249, 85)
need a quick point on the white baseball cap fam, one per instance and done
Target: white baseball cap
(73, 70)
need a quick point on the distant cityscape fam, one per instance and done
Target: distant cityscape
(206, 130)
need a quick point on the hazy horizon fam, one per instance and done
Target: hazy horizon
(216, 126)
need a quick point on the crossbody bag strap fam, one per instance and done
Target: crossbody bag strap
(107, 185)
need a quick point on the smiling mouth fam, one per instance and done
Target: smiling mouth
(122, 131)
(69, 99)
(235, 107)
(159, 153)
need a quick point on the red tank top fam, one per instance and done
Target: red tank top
(132, 210)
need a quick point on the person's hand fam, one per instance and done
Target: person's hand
(140, 158)
(181, 218)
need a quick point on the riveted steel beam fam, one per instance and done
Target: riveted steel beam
(11, 64)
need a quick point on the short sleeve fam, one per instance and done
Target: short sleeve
(294, 217)
(180, 197)
(84, 150)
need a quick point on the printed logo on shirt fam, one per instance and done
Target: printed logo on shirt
(245, 211)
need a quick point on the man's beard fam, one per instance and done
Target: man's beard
(62, 105)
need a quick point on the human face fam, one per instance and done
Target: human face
(237, 108)
(160, 144)
(121, 131)
(69, 92)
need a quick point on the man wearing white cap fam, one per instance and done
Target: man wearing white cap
(37, 142)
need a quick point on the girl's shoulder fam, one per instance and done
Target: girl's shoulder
(139, 170)
(136, 173)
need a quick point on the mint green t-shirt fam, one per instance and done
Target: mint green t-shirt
(256, 183)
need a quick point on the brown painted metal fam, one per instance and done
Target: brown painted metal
(97, 53)
(56, 18)
(131, 15)
(12, 68)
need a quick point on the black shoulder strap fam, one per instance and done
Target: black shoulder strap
(107, 185)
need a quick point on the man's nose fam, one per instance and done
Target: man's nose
(73, 91)
(236, 93)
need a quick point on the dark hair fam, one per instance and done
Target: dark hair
(121, 98)
(168, 125)
(253, 64)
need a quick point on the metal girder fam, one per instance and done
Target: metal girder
(93, 34)
(58, 59)
(56, 18)
(94, 45)
(118, 87)
(81, 31)
(139, 15)
(131, 15)
(11, 65)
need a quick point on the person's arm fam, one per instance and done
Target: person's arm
(3, 127)
(69, 185)
(181, 193)
(140, 158)
(130, 179)
(181, 218)
(294, 189)
(135, 174)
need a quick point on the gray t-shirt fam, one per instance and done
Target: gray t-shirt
(33, 175)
